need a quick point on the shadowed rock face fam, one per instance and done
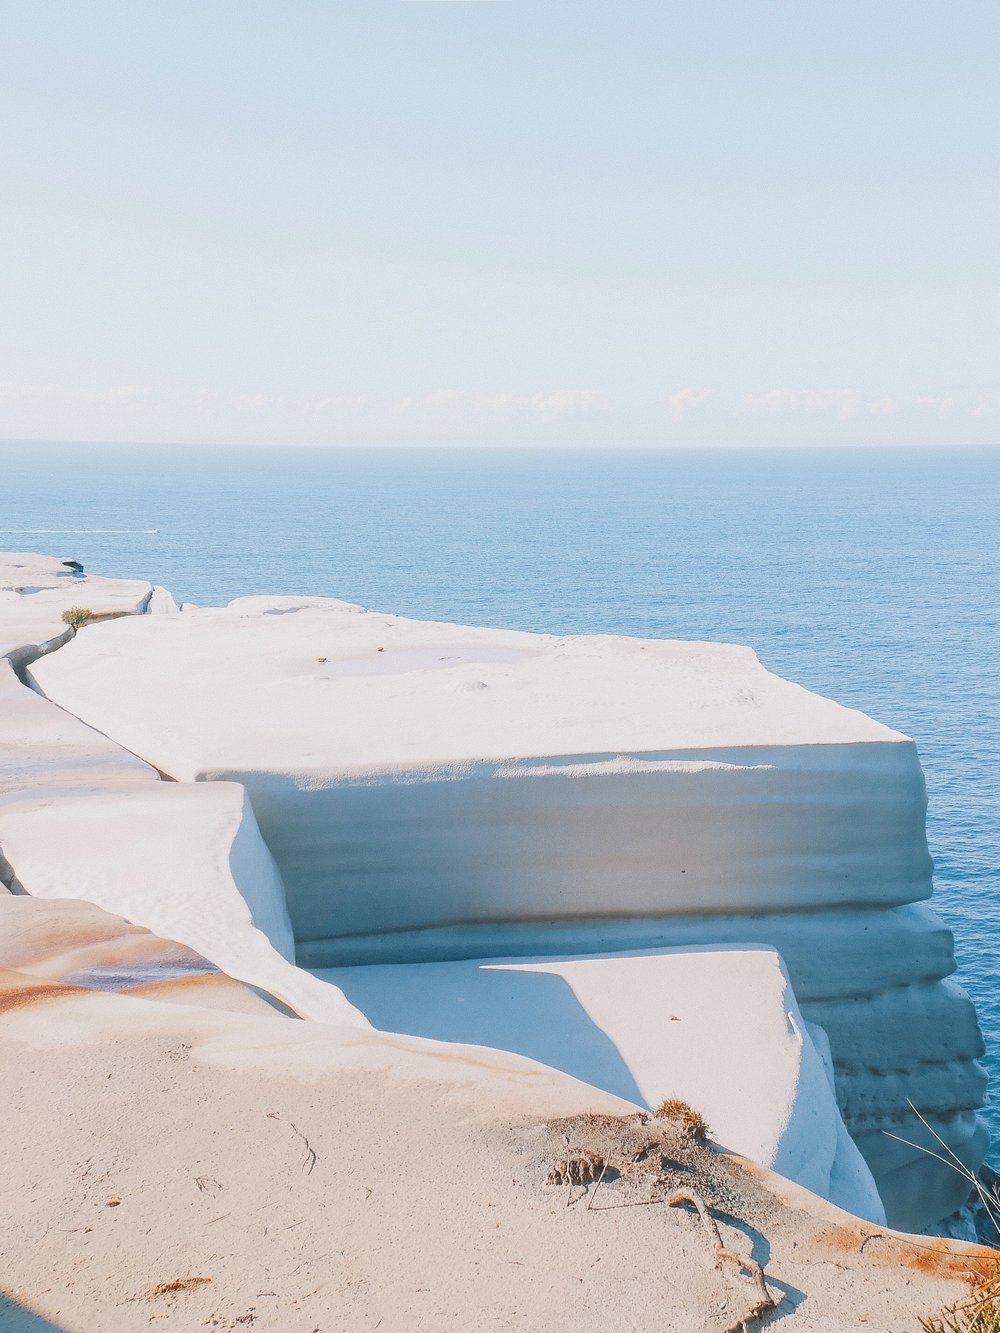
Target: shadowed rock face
(434, 793)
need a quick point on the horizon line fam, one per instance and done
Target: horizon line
(512, 447)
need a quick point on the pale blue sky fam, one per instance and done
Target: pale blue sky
(718, 222)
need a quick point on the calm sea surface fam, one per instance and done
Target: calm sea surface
(870, 576)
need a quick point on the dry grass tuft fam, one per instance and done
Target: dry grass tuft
(77, 616)
(690, 1122)
(978, 1313)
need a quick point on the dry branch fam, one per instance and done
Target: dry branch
(765, 1302)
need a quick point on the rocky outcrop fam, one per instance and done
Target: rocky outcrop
(184, 860)
(435, 793)
(82, 817)
(717, 1028)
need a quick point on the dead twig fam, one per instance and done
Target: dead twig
(708, 1221)
(310, 1159)
(765, 1302)
(597, 1186)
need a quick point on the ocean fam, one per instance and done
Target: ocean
(871, 576)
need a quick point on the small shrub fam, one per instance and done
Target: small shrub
(77, 616)
(690, 1122)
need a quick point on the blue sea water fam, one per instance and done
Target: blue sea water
(871, 576)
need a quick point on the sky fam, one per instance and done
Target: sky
(493, 222)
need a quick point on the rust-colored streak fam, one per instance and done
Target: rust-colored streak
(935, 1256)
(56, 939)
(19, 996)
(37, 930)
(192, 981)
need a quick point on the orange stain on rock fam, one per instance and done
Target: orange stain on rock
(191, 981)
(935, 1256)
(17, 992)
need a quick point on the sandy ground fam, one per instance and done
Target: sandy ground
(320, 1179)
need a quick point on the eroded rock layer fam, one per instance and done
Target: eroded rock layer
(435, 792)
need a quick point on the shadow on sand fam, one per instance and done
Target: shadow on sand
(17, 1318)
(530, 1013)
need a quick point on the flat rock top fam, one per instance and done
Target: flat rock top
(35, 590)
(20, 569)
(298, 685)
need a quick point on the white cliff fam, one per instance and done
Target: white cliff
(81, 817)
(437, 793)
(185, 860)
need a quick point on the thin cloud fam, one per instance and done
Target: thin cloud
(987, 405)
(548, 405)
(686, 400)
(125, 395)
(936, 403)
(32, 393)
(841, 402)
(129, 395)
(563, 402)
(440, 398)
(342, 402)
(256, 402)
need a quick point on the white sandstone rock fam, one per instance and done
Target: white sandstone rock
(46, 586)
(184, 860)
(443, 787)
(719, 1029)
(81, 817)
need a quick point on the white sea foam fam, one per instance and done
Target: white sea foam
(78, 532)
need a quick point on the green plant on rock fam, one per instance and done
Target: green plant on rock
(76, 616)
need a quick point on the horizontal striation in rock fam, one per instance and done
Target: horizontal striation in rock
(875, 1097)
(905, 1027)
(830, 954)
(790, 828)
